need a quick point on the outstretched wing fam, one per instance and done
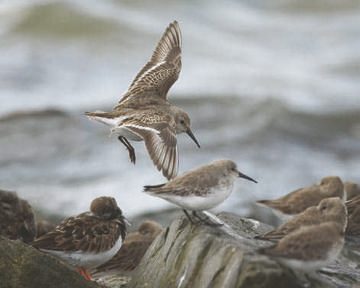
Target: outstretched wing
(160, 141)
(154, 80)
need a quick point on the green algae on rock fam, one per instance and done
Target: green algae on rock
(24, 266)
(226, 256)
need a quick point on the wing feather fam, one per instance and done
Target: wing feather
(80, 234)
(152, 83)
(161, 143)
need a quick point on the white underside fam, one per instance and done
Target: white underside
(198, 203)
(281, 216)
(85, 259)
(114, 123)
(309, 266)
(126, 133)
(305, 266)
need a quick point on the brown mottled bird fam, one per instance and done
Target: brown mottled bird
(88, 239)
(16, 217)
(298, 200)
(144, 112)
(133, 249)
(329, 209)
(310, 247)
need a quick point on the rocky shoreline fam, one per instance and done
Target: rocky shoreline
(185, 255)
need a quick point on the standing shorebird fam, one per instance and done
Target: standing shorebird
(88, 239)
(298, 200)
(329, 209)
(144, 113)
(310, 247)
(200, 189)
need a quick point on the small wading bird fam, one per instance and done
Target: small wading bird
(329, 210)
(144, 113)
(200, 189)
(310, 247)
(298, 200)
(89, 239)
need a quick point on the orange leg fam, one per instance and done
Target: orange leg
(87, 276)
(82, 271)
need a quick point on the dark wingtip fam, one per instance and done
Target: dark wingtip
(148, 188)
(262, 201)
(259, 237)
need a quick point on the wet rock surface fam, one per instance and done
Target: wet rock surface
(185, 255)
(24, 266)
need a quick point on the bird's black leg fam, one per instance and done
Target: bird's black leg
(129, 148)
(188, 216)
(206, 220)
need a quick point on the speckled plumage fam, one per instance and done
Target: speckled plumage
(329, 209)
(298, 200)
(79, 238)
(16, 217)
(144, 113)
(133, 249)
(310, 247)
(152, 83)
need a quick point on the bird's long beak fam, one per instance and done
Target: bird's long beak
(246, 177)
(188, 131)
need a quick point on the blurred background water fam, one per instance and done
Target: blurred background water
(273, 85)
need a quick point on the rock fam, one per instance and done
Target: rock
(16, 217)
(188, 256)
(185, 255)
(24, 266)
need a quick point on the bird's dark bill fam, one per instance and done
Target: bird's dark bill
(192, 137)
(246, 177)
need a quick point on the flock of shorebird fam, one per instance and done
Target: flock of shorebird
(97, 240)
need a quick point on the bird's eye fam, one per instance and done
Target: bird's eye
(182, 122)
